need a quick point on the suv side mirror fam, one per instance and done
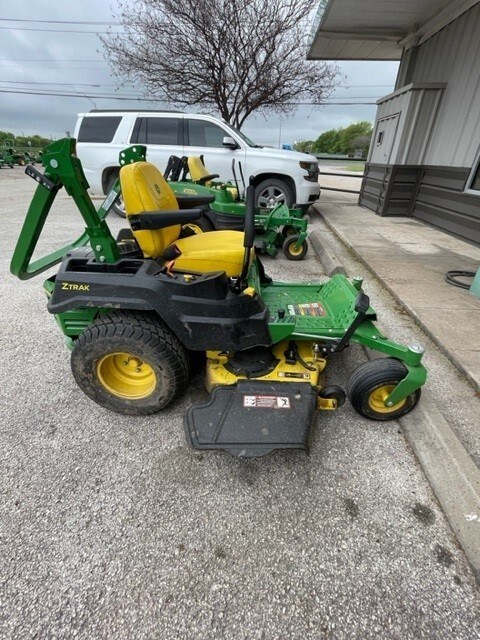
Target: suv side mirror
(230, 143)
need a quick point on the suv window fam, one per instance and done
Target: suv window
(98, 129)
(156, 131)
(205, 134)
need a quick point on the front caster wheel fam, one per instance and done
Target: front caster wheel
(333, 392)
(371, 383)
(130, 363)
(291, 251)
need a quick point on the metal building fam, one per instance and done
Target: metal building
(424, 156)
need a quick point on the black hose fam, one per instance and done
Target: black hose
(451, 278)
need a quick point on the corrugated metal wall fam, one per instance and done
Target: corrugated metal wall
(453, 56)
(441, 201)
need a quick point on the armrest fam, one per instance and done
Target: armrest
(152, 220)
(191, 202)
(211, 176)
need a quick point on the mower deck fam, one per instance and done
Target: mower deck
(253, 418)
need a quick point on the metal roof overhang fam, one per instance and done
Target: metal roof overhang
(377, 29)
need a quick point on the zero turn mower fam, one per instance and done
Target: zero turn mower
(275, 227)
(132, 310)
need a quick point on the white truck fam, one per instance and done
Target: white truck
(280, 175)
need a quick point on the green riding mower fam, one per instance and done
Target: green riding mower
(10, 156)
(134, 309)
(7, 159)
(275, 227)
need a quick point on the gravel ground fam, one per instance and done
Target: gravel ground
(111, 527)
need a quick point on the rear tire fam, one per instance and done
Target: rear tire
(202, 225)
(372, 382)
(130, 363)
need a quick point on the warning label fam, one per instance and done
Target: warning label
(293, 374)
(267, 402)
(306, 309)
(110, 200)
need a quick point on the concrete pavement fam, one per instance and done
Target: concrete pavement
(411, 259)
(112, 527)
(382, 247)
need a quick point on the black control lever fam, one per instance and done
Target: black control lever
(249, 234)
(362, 304)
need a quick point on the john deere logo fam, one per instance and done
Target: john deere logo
(157, 189)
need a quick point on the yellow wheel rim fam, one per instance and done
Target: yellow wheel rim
(126, 376)
(377, 399)
(293, 251)
(193, 227)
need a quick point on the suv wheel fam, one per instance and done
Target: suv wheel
(271, 192)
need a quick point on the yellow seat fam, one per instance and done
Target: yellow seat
(145, 189)
(198, 170)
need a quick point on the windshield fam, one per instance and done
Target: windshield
(244, 138)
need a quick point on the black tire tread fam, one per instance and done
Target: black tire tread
(373, 374)
(146, 329)
(289, 240)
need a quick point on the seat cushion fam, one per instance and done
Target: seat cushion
(145, 189)
(196, 168)
(212, 251)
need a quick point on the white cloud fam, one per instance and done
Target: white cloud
(55, 115)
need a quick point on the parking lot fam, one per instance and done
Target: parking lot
(112, 527)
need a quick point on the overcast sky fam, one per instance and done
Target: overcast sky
(54, 59)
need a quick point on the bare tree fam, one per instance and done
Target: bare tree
(241, 56)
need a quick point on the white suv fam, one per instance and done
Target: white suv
(280, 175)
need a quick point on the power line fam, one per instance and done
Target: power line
(57, 21)
(62, 84)
(151, 99)
(77, 95)
(67, 68)
(57, 30)
(135, 96)
(47, 60)
(103, 84)
(55, 60)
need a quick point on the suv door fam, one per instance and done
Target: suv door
(203, 137)
(163, 136)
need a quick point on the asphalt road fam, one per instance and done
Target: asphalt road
(111, 527)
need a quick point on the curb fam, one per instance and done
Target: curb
(449, 469)
(446, 352)
(451, 472)
(324, 247)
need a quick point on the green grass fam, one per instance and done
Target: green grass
(354, 167)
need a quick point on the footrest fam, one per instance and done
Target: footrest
(252, 418)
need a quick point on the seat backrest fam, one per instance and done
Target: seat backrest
(196, 168)
(145, 189)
